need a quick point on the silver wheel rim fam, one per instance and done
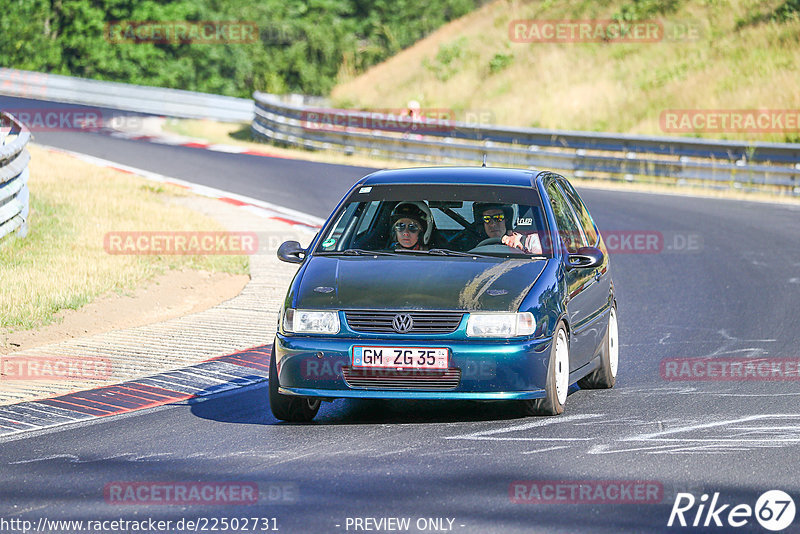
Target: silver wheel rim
(312, 403)
(613, 344)
(562, 367)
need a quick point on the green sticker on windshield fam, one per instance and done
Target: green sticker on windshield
(329, 242)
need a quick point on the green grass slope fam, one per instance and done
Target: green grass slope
(744, 54)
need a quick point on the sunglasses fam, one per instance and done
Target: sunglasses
(497, 218)
(401, 227)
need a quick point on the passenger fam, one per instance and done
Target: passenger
(412, 226)
(497, 222)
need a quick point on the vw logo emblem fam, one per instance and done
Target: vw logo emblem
(402, 323)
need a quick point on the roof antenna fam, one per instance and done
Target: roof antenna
(484, 160)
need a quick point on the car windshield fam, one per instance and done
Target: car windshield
(439, 220)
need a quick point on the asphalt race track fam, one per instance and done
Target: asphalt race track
(724, 282)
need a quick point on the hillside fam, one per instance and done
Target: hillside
(742, 54)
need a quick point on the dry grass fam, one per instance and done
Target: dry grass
(618, 87)
(62, 263)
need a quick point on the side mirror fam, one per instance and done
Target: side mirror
(291, 252)
(585, 258)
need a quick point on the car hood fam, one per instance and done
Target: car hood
(389, 282)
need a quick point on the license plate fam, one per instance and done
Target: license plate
(400, 357)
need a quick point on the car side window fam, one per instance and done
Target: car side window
(334, 239)
(580, 210)
(367, 217)
(568, 227)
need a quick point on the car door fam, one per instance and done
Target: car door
(598, 291)
(579, 301)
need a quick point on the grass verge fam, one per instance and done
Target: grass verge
(62, 264)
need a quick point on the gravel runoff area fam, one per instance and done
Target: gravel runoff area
(247, 320)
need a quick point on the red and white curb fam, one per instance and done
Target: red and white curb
(253, 205)
(219, 374)
(223, 373)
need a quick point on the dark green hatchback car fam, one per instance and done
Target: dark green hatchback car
(448, 283)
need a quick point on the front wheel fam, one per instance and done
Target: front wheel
(605, 376)
(557, 384)
(288, 407)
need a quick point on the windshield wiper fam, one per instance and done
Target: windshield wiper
(363, 252)
(519, 254)
(448, 252)
(354, 252)
(442, 252)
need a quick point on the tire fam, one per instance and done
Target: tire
(605, 376)
(557, 384)
(288, 407)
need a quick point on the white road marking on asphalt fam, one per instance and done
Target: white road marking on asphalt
(488, 434)
(17, 424)
(71, 457)
(730, 340)
(27, 510)
(547, 449)
(157, 457)
(659, 435)
(738, 436)
(723, 394)
(685, 390)
(622, 421)
(607, 449)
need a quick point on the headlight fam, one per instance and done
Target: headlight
(500, 324)
(311, 322)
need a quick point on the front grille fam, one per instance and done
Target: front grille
(410, 379)
(425, 322)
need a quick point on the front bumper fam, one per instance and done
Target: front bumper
(314, 366)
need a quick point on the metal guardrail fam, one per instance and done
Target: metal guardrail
(124, 96)
(14, 196)
(291, 121)
(583, 154)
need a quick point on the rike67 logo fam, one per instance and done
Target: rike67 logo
(774, 510)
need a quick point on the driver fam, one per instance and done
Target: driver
(411, 226)
(497, 223)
